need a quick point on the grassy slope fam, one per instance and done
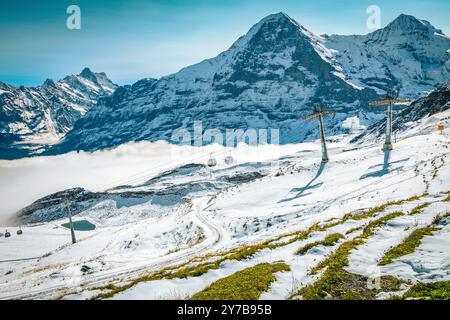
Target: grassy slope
(195, 267)
(336, 283)
(429, 291)
(247, 284)
(330, 240)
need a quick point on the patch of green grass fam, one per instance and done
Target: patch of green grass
(339, 258)
(349, 286)
(336, 282)
(247, 284)
(408, 245)
(411, 242)
(419, 208)
(371, 226)
(364, 215)
(429, 291)
(370, 213)
(353, 229)
(328, 241)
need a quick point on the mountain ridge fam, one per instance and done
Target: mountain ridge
(269, 78)
(409, 55)
(33, 117)
(277, 70)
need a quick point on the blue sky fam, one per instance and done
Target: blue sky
(134, 39)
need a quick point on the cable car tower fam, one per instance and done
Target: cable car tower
(72, 231)
(318, 113)
(71, 199)
(66, 201)
(390, 99)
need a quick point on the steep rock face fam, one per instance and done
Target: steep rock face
(31, 118)
(408, 54)
(268, 78)
(435, 102)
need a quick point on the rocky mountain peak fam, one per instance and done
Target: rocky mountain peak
(276, 27)
(43, 114)
(49, 83)
(87, 74)
(405, 27)
(407, 22)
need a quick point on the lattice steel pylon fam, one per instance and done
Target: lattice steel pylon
(390, 99)
(318, 113)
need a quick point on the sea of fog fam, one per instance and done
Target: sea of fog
(24, 181)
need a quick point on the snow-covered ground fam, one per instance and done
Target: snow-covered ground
(249, 201)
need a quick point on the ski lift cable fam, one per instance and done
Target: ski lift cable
(132, 178)
(144, 175)
(147, 173)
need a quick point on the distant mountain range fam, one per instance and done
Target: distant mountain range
(32, 118)
(270, 78)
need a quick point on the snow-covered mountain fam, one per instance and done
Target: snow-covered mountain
(31, 118)
(270, 78)
(408, 54)
(407, 119)
(180, 230)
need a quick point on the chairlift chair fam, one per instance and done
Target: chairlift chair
(229, 159)
(7, 234)
(211, 162)
(19, 232)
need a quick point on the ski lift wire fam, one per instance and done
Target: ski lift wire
(147, 173)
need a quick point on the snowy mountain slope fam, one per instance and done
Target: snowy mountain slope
(408, 54)
(415, 117)
(132, 238)
(268, 78)
(31, 118)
